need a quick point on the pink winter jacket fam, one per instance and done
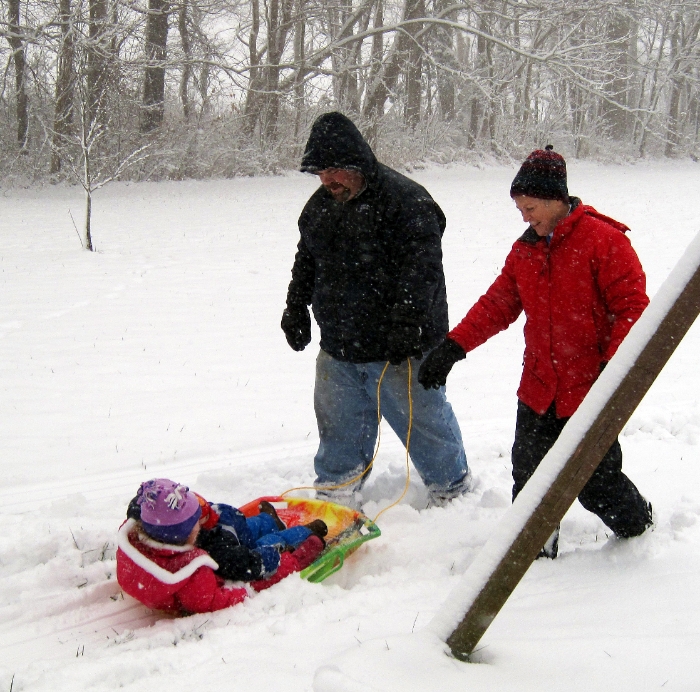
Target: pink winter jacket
(177, 578)
(181, 579)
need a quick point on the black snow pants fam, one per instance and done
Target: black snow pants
(609, 493)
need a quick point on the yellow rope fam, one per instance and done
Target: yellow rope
(376, 451)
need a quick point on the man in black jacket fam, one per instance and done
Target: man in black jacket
(369, 261)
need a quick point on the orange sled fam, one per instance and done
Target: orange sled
(348, 529)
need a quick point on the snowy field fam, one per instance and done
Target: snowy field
(161, 355)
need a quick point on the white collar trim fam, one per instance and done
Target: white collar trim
(162, 575)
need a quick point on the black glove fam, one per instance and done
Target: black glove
(236, 562)
(296, 325)
(436, 367)
(403, 342)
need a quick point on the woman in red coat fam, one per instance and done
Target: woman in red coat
(581, 285)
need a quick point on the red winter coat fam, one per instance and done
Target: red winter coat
(180, 578)
(177, 578)
(581, 295)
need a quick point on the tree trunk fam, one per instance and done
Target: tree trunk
(477, 110)
(338, 13)
(97, 61)
(279, 15)
(203, 84)
(19, 60)
(357, 86)
(491, 110)
(299, 56)
(673, 136)
(252, 103)
(187, 55)
(683, 39)
(87, 239)
(65, 82)
(413, 67)
(373, 109)
(156, 38)
(618, 33)
(270, 98)
(87, 186)
(345, 59)
(386, 78)
(443, 52)
(654, 90)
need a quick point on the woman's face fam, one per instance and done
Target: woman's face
(542, 214)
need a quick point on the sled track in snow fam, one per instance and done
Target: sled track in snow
(60, 639)
(21, 499)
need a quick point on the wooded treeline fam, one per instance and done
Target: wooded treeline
(227, 87)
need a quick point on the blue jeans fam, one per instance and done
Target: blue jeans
(345, 401)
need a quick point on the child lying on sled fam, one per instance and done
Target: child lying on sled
(176, 549)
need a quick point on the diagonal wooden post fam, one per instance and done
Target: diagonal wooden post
(534, 515)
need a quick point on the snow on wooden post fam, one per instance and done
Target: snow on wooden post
(547, 496)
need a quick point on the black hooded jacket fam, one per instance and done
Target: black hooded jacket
(372, 262)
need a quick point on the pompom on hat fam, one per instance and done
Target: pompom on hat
(169, 511)
(542, 175)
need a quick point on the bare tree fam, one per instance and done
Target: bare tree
(619, 32)
(185, 41)
(499, 75)
(156, 41)
(684, 54)
(87, 159)
(252, 104)
(65, 81)
(446, 61)
(299, 52)
(15, 38)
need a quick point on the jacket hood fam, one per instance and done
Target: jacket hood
(335, 142)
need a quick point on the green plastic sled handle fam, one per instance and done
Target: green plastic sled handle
(324, 567)
(333, 560)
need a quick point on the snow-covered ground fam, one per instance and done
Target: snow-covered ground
(161, 355)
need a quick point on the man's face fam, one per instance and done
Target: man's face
(341, 183)
(542, 214)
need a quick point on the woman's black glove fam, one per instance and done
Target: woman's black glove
(436, 367)
(403, 341)
(296, 325)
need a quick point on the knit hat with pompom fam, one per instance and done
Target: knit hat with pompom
(542, 175)
(169, 510)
